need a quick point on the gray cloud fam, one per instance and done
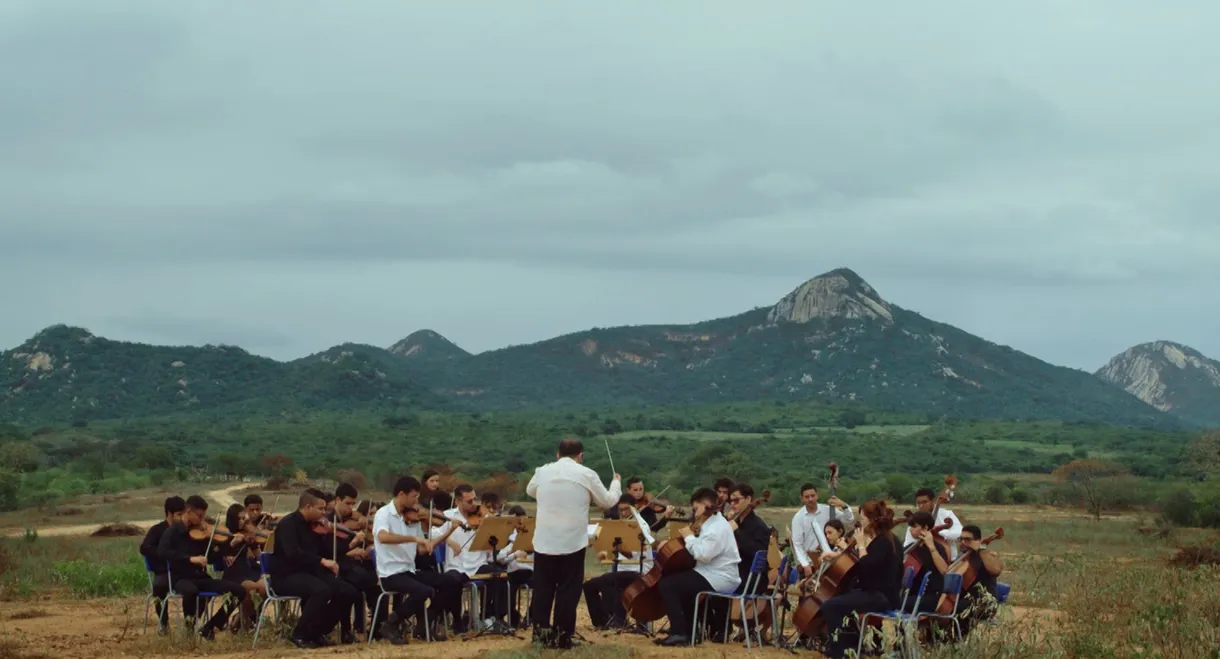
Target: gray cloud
(248, 159)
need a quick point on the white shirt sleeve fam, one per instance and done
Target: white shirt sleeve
(800, 539)
(710, 543)
(438, 531)
(532, 487)
(953, 532)
(847, 515)
(604, 498)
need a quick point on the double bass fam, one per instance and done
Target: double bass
(830, 579)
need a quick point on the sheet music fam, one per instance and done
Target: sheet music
(593, 530)
(643, 527)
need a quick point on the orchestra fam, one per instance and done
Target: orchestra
(339, 553)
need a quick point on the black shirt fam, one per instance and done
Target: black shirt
(984, 578)
(149, 546)
(327, 544)
(880, 570)
(177, 546)
(936, 580)
(296, 547)
(753, 535)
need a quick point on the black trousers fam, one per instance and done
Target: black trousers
(419, 589)
(516, 580)
(190, 588)
(604, 597)
(160, 589)
(557, 582)
(365, 583)
(324, 600)
(840, 611)
(494, 592)
(678, 592)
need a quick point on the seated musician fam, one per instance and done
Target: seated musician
(400, 539)
(174, 506)
(933, 559)
(808, 523)
(300, 570)
(189, 558)
(715, 552)
(723, 487)
(253, 505)
(604, 593)
(836, 539)
(519, 570)
(429, 500)
(978, 602)
(635, 487)
(241, 566)
(462, 563)
(352, 551)
(925, 501)
(752, 535)
(874, 581)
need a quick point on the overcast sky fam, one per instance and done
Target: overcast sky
(287, 176)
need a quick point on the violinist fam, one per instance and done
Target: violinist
(978, 603)
(240, 566)
(351, 550)
(188, 547)
(876, 578)
(519, 571)
(643, 502)
(723, 487)
(752, 535)
(925, 501)
(300, 570)
(461, 562)
(431, 500)
(399, 539)
(174, 506)
(716, 558)
(604, 593)
(253, 504)
(933, 558)
(808, 523)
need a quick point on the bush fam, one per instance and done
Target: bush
(997, 494)
(1020, 496)
(1180, 507)
(89, 579)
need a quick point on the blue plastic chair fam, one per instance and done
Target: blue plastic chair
(148, 602)
(758, 570)
(953, 586)
(1002, 591)
(471, 590)
(904, 620)
(265, 561)
(205, 597)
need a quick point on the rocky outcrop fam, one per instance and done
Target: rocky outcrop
(1169, 376)
(838, 293)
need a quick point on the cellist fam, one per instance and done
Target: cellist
(925, 501)
(876, 578)
(933, 558)
(752, 535)
(808, 521)
(988, 566)
(715, 552)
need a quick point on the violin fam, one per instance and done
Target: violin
(209, 532)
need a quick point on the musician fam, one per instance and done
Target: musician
(933, 559)
(461, 562)
(300, 570)
(875, 580)
(253, 504)
(241, 567)
(188, 566)
(399, 538)
(925, 501)
(836, 539)
(431, 484)
(723, 486)
(564, 490)
(604, 593)
(429, 500)
(716, 558)
(978, 602)
(174, 507)
(351, 552)
(520, 568)
(808, 523)
(752, 535)
(635, 487)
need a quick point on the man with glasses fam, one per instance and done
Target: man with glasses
(978, 603)
(752, 535)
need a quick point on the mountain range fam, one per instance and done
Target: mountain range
(832, 339)
(1170, 377)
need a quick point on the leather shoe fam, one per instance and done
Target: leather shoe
(304, 644)
(675, 640)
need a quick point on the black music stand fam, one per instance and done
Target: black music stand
(488, 538)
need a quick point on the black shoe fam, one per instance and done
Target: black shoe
(544, 636)
(388, 631)
(675, 640)
(207, 634)
(717, 637)
(347, 638)
(324, 642)
(304, 644)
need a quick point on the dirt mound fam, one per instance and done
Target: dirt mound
(1192, 557)
(117, 531)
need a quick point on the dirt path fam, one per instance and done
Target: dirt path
(223, 497)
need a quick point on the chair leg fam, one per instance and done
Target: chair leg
(373, 622)
(745, 621)
(262, 612)
(147, 606)
(695, 621)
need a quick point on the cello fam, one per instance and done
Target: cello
(910, 559)
(642, 599)
(830, 581)
(970, 575)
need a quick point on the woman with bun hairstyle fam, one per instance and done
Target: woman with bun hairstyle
(872, 584)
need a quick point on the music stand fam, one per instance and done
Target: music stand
(492, 535)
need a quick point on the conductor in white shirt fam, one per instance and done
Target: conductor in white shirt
(564, 490)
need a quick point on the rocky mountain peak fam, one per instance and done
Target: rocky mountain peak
(1166, 375)
(427, 343)
(839, 293)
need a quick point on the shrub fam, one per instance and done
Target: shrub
(89, 579)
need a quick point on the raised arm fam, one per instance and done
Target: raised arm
(605, 499)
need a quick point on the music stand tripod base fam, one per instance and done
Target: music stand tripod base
(487, 538)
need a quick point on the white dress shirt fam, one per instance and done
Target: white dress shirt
(513, 564)
(951, 534)
(393, 559)
(715, 553)
(808, 530)
(467, 562)
(564, 489)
